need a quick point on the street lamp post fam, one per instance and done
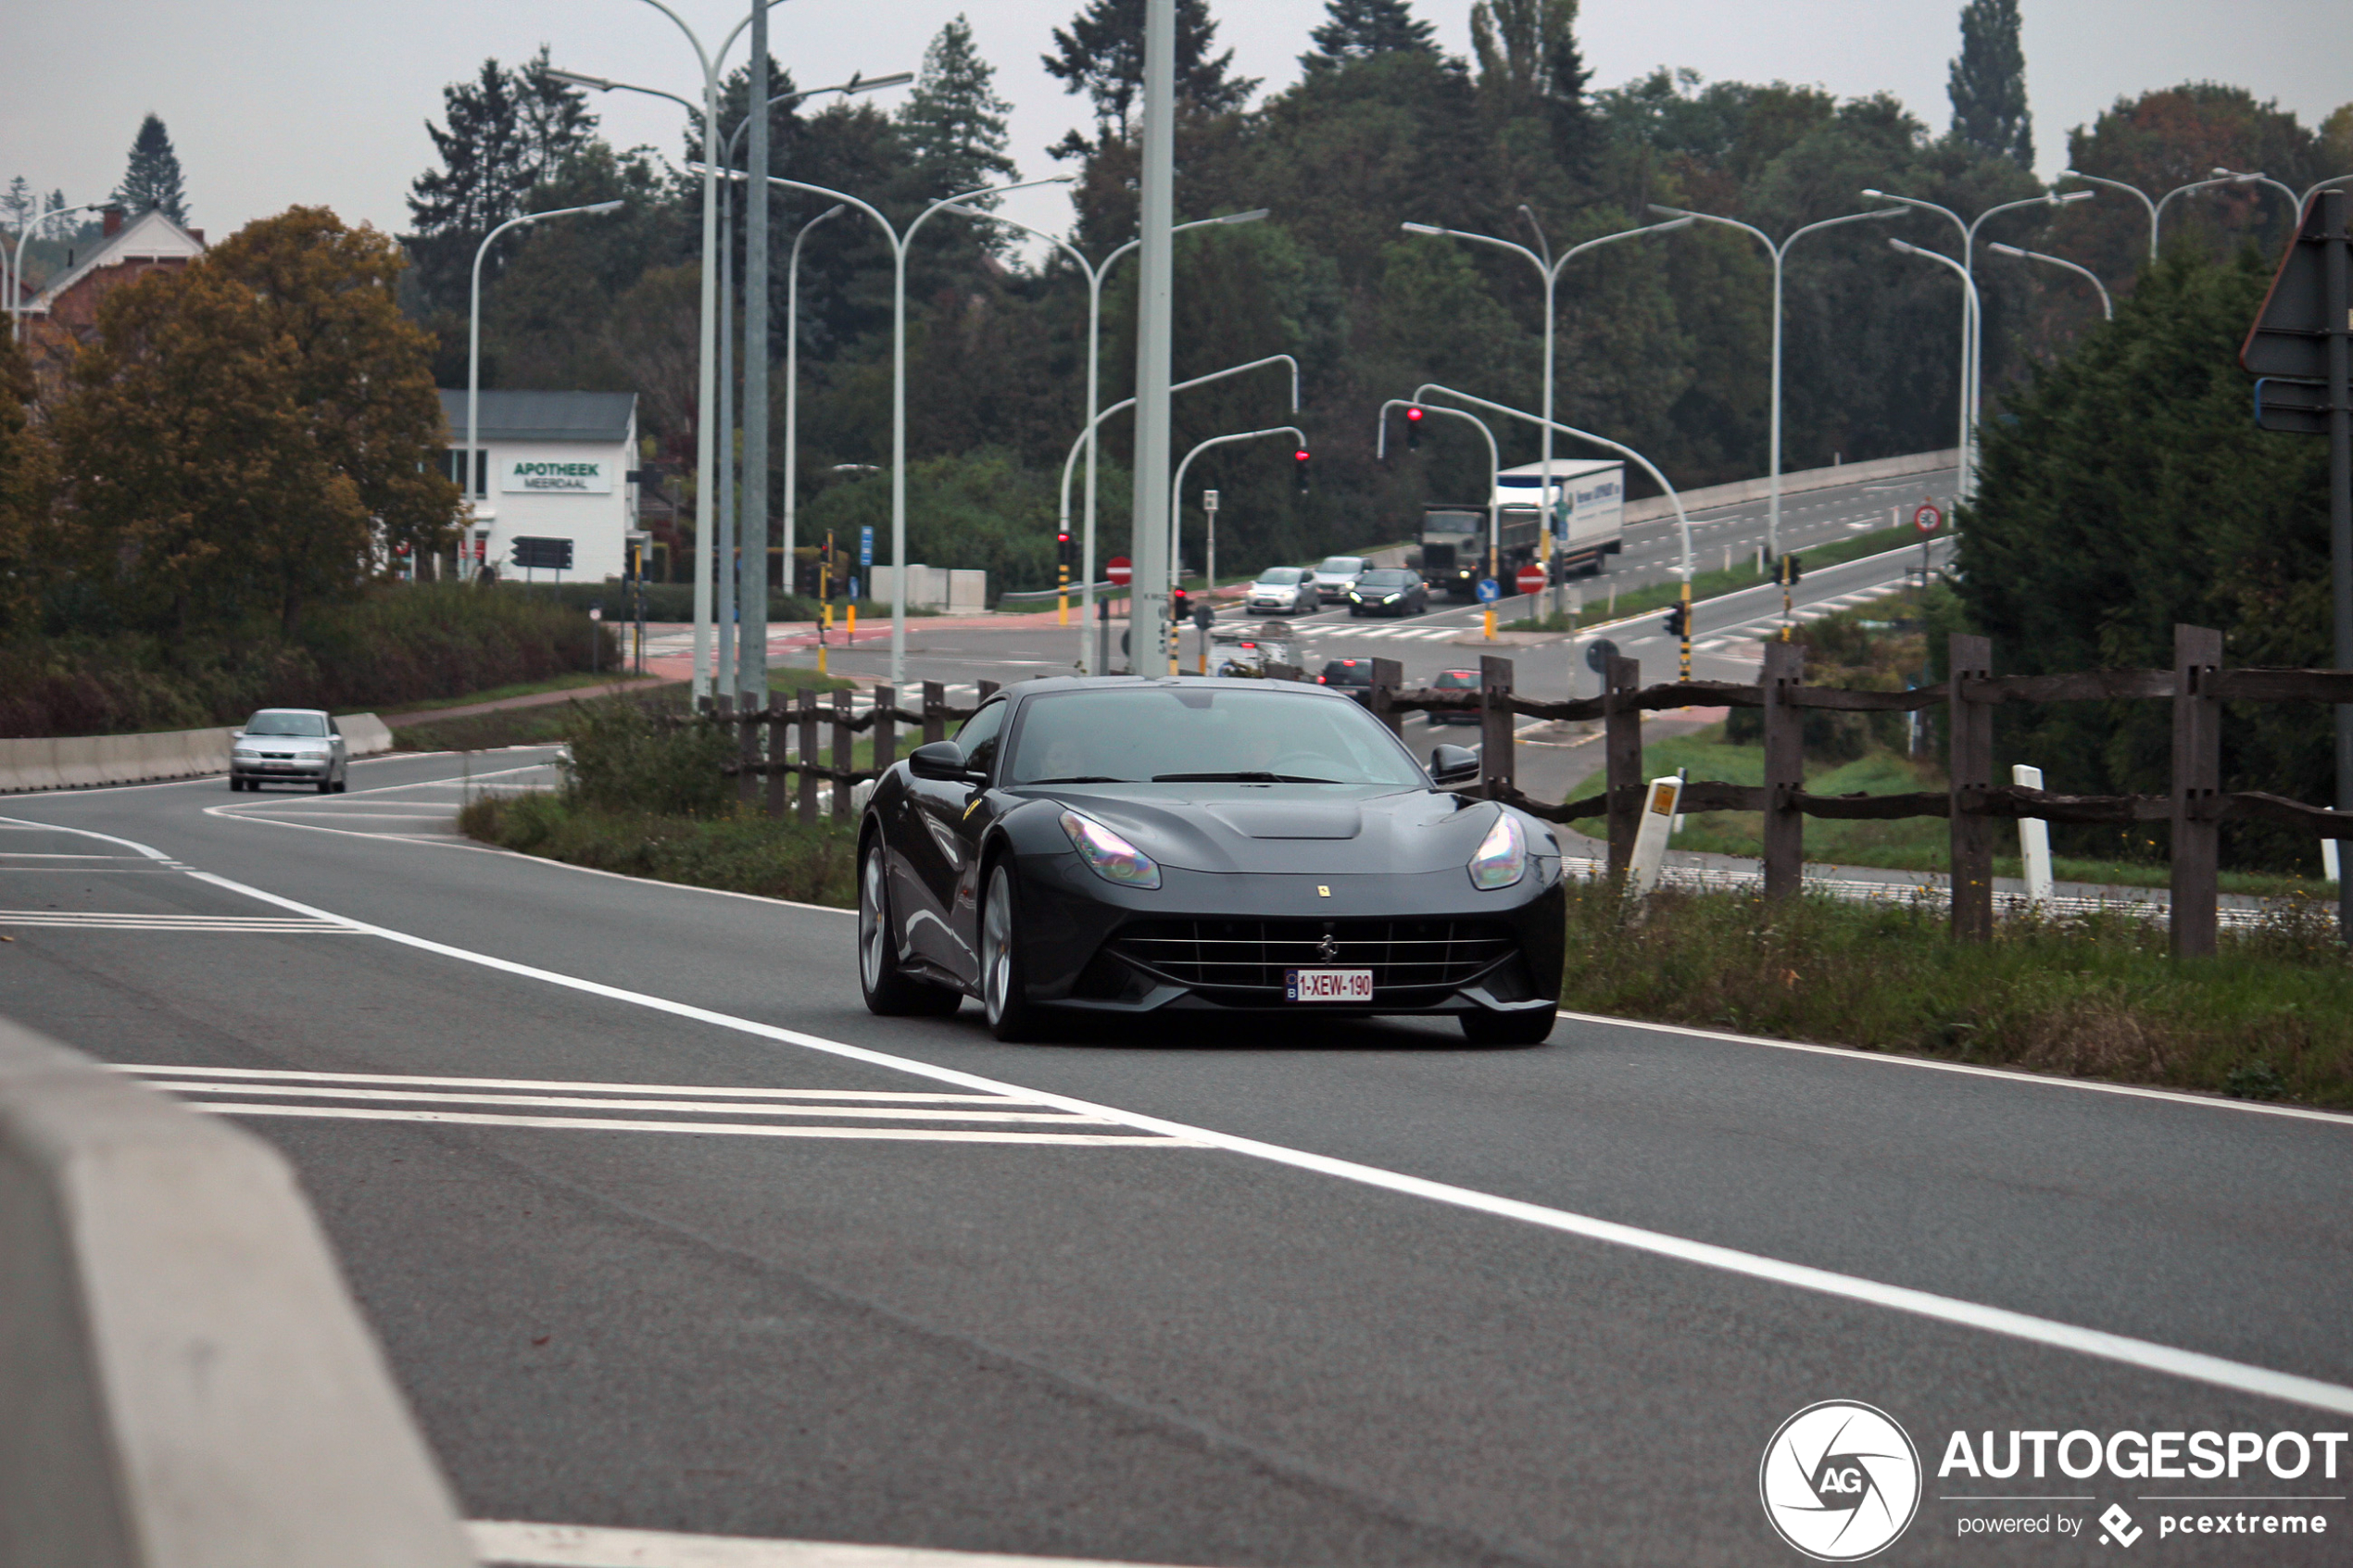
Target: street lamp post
(471, 463)
(792, 386)
(1964, 487)
(1095, 273)
(2108, 307)
(1972, 323)
(1087, 658)
(1177, 488)
(900, 244)
(2134, 191)
(1682, 521)
(15, 273)
(1548, 269)
(707, 326)
(1778, 253)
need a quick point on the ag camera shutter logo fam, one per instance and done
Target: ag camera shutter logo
(1839, 1481)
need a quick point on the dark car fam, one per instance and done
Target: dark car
(1456, 681)
(1109, 847)
(1351, 677)
(1388, 590)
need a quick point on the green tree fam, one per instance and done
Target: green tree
(953, 122)
(1987, 83)
(506, 132)
(152, 182)
(1354, 30)
(18, 204)
(28, 473)
(2125, 492)
(254, 433)
(1101, 55)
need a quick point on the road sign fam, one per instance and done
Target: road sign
(1489, 592)
(2290, 335)
(1120, 570)
(1598, 653)
(1927, 519)
(1530, 579)
(866, 545)
(543, 555)
(2299, 408)
(1209, 500)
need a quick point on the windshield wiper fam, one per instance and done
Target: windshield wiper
(1236, 778)
(1079, 778)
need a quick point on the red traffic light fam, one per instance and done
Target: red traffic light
(1414, 416)
(1300, 455)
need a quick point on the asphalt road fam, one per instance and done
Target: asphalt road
(1281, 1295)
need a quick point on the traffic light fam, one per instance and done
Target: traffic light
(1675, 623)
(1178, 605)
(1413, 429)
(1064, 552)
(1791, 569)
(1299, 461)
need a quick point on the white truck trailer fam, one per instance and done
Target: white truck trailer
(1589, 515)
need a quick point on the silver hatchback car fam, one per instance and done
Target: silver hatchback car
(1281, 588)
(290, 745)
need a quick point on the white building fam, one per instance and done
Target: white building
(551, 465)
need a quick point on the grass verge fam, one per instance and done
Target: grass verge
(2270, 1017)
(740, 853)
(1711, 584)
(572, 682)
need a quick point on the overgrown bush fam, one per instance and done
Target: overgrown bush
(400, 644)
(625, 758)
(742, 853)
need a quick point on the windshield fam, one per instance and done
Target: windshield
(1456, 681)
(1342, 566)
(1349, 672)
(272, 721)
(1385, 579)
(1281, 576)
(1203, 733)
(1453, 522)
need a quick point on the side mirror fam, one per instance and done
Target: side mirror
(1453, 764)
(942, 760)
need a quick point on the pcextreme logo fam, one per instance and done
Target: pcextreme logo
(1839, 1481)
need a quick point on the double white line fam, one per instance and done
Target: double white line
(100, 919)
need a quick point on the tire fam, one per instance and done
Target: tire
(237, 784)
(890, 992)
(327, 784)
(1530, 1028)
(1003, 981)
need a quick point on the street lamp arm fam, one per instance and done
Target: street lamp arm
(15, 276)
(1880, 212)
(825, 191)
(603, 85)
(2315, 188)
(1125, 403)
(1252, 216)
(2053, 199)
(1762, 238)
(1085, 267)
(1668, 227)
(958, 200)
(2108, 308)
(855, 84)
(1681, 522)
(1176, 485)
(1515, 249)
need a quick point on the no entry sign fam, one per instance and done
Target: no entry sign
(1530, 579)
(1120, 570)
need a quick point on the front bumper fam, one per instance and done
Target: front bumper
(308, 770)
(1209, 942)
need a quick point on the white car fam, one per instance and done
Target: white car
(1282, 588)
(1337, 574)
(290, 745)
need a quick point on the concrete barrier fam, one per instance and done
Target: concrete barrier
(79, 762)
(1656, 507)
(186, 1382)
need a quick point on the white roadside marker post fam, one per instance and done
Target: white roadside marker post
(1650, 838)
(2328, 859)
(2035, 840)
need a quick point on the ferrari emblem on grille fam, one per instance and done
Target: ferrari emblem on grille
(1328, 950)
(1322, 891)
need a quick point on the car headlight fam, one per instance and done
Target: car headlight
(1393, 598)
(1108, 855)
(1502, 855)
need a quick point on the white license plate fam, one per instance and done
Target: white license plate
(1327, 986)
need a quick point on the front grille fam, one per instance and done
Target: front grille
(1412, 960)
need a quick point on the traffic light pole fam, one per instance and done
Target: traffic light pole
(1156, 191)
(1175, 505)
(1494, 468)
(1682, 523)
(2337, 294)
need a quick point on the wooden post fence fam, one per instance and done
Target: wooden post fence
(775, 716)
(807, 714)
(2198, 787)
(1784, 769)
(1972, 762)
(1387, 675)
(1622, 759)
(935, 712)
(886, 733)
(845, 747)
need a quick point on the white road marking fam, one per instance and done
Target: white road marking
(92, 920)
(2148, 1355)
(737, 1129)
(576, 1102)
(560, 1085)
(522, 1544)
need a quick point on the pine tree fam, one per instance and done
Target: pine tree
(152, 182)
(20, 204)
(1102, 53)
(1988, 83)
(1355, 29)
(507, 131)
(1518, 46)
(556, 121)
(954, 122)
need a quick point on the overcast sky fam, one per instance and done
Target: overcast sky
(276, 102)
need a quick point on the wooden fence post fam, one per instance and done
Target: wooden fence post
(845, 747)
(1387, 675)
(808, 717)
(935, 719)
(775, 715)
(1784, 769)
(1497, 777)
(885, 727)
(1622, 759)
(2198, 787)
(987, 690)
(747, 753)
(1972, 762)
